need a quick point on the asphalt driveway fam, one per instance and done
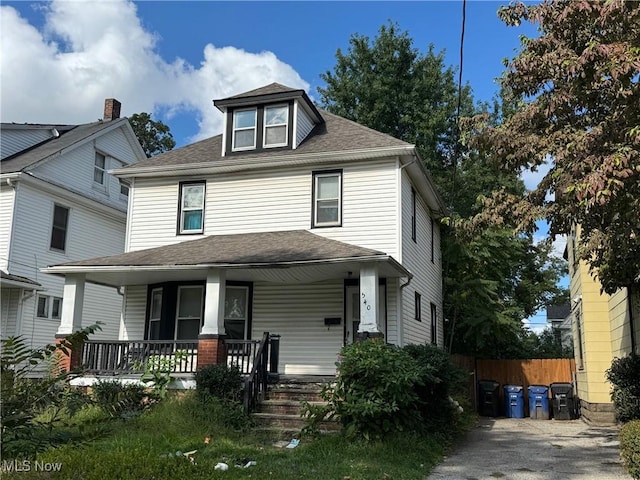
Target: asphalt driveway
(525, 449)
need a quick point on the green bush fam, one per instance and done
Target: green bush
(24, 399)
(374, 392)
(624, 375)
(440, 380)
(630, 447)
(122, 400)
(220, 381)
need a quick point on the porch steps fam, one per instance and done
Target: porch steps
(281, 413)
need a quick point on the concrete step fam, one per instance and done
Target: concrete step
(289, 422)
(288, 407)
(295, 394)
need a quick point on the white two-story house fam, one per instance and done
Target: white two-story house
(293, 221)
(58, 203)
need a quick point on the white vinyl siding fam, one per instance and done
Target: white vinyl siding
(135, 308)
(7, 196)
(16, 140)
(75, 169)
(89, 234)
(304, 125)
(416, 256)
(273, 201)
(9, 299)
(297, 312)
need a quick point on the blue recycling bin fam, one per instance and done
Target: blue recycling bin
(539, 402)
(514, 401)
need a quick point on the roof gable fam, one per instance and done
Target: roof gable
(70, 136)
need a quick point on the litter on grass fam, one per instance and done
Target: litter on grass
(221, 466)
(293, 443)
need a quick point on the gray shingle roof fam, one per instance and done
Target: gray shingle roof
(240, 249)
(266, 90)
(17, 278)
(336, 134)
(69, 135)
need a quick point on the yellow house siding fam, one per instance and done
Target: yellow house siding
(620, 323)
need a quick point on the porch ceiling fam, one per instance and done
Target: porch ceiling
(282, 257)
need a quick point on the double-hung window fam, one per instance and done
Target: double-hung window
(275, 126)
(59, 228)
(49, 307)
(327, 199)
(189, 312)
(192, 207)
(99, 167)
(124, 188)
(155, 314)
(236, 312)
(244, 129)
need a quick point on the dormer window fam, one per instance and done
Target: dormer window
(244, 129)
(276, 126)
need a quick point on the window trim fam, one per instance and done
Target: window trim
(418, 306)
(434, 324)
(65, 228)
(180, 230)
(234, 129)
(265, 126)
(413, 215)
(314, 199)
(102, 170)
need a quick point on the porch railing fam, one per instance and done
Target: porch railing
(122, 356)
(255, 384)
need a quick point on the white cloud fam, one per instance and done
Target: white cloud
(89, 51)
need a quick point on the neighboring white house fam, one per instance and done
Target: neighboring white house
(293, 221)
(58, 203)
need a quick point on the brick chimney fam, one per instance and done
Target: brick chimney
(111, 109)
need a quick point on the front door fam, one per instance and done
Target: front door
(352, 311)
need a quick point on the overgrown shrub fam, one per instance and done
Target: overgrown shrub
(624, 375)
(23, 398)
(220, 381)
(374, 393)
(119, 399)
(440, 380)
(630, 447)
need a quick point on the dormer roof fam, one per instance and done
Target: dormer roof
(271, 93)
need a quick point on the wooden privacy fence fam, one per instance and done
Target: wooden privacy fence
(543, 371)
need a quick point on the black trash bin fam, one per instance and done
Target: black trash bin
(564, 401)
(488, 398)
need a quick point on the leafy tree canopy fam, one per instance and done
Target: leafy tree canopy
(493, 277)
(154, 136)
(581, 114)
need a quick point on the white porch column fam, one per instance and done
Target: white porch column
(369, 300)
(72, 303)
(214, 303)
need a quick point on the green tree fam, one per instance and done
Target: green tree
(154, 136)
(493, 278)
(581, 113)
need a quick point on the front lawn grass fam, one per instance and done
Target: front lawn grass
(145, 448)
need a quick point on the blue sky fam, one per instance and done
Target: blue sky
(60, 59)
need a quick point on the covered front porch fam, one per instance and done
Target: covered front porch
(208, 301)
